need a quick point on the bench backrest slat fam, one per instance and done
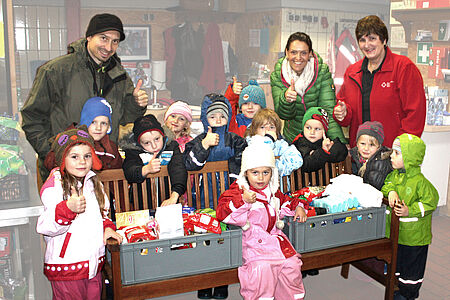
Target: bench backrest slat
(198, 184)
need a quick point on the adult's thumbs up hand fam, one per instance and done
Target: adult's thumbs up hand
(140, 96)
(291, 94)
(237, 86)
(76, 202)
(340, 111)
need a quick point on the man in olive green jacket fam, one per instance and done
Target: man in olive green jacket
(413, 198)
(319, 92)
(62, 86)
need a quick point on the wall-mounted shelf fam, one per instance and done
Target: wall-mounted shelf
(409, 16)
(432, 128)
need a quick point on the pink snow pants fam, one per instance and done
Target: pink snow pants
(269, 279)
(86, 289)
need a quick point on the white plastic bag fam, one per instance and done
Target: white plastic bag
(170, 220)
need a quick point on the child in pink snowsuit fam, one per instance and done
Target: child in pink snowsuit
(271, 267)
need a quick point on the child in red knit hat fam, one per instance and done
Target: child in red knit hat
(75, 222)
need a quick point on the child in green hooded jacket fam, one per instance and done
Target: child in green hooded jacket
(413, 199)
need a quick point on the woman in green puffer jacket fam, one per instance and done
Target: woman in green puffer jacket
(302, 80)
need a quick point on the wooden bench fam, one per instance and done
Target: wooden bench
(385, 249)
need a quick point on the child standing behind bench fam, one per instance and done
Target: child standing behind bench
(147, 149)
(271, 267)
(96, 115)
(413, 198)
(266, 126)
(177, 121)
(248, 101)
(370, 158)
(314, 145)
(215, 144)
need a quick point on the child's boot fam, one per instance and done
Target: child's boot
(221, 292)
(204, 294)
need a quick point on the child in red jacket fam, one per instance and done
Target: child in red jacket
(248, 101)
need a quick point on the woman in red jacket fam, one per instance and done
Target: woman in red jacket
(383, 87)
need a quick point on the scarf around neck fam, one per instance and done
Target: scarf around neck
(303, 80)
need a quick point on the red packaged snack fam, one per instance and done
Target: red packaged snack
(205, 221)
(138, 234)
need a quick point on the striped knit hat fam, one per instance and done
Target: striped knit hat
(372, 128)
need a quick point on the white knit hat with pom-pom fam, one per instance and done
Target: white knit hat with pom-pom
(259, 154)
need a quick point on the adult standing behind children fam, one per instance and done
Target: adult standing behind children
(383, 87)
(62, 85)
(302, 80)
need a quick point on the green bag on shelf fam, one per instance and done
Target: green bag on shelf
(10, 161)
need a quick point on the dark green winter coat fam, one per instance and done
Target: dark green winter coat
(418, 193)
(61, 88)
(319, 93)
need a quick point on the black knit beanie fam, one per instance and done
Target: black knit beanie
(104, 22)
(145, 124)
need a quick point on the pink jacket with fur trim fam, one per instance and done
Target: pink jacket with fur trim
(262, 240)
(75, 248)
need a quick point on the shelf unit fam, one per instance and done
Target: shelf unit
(423, 19)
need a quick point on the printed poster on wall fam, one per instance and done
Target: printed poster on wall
(254, 38)
(423, 53)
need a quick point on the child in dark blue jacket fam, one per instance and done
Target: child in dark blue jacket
(215, 144)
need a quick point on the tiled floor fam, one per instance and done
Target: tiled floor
(330, 285)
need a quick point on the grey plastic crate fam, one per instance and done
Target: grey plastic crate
(333, 230)
(212, 252)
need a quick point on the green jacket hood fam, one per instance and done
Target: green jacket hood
(413, 153)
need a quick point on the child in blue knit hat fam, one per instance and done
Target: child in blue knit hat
(96, 115)
(248, 101)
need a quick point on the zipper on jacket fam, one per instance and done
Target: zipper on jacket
(64, 246)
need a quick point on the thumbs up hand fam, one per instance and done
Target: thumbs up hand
(140, 96)
(291, 94)
(211, 139)
(237, 86)
(340, 110)
(153, 166)
(248, 196)
(76, 203)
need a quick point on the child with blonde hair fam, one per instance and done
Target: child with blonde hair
(370, 158)
(74, 222)
(177, 123)
(266, 126)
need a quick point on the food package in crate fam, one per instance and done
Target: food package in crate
(135, 226)
(147, 232)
